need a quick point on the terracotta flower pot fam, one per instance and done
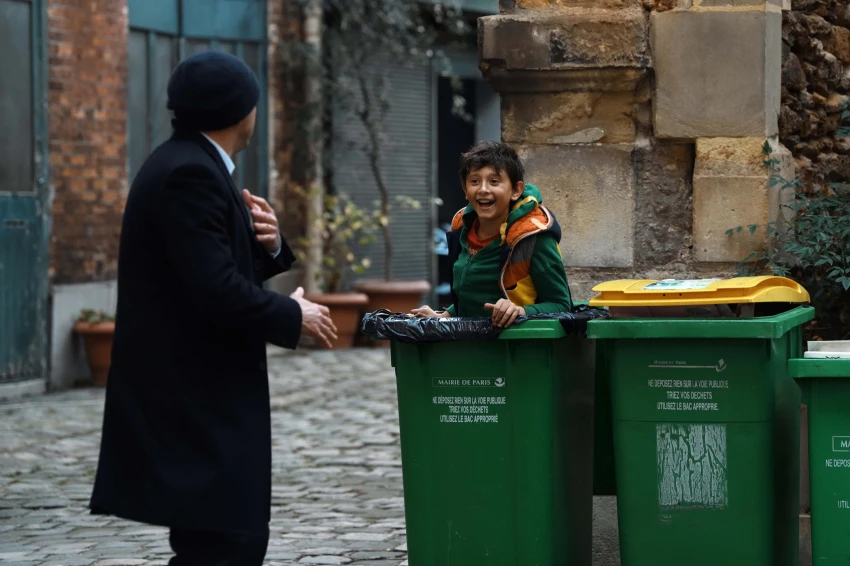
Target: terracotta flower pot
(346, 312)
(395, 296)
(97, 340)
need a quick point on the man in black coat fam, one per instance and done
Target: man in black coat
(187, 427)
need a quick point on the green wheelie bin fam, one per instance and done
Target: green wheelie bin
(497, 447)
(826, 391)
(706, 418)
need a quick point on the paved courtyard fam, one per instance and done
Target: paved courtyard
(337, 495)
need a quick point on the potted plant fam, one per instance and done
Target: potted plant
(97, 329)
(395, 295)
(342, 229)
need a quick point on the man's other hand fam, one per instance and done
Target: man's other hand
(265, 222)
(315, 320)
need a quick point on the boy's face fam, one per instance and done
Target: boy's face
(490, 193)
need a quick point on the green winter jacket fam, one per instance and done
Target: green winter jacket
(524, 265)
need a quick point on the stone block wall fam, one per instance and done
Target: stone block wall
(643, 122)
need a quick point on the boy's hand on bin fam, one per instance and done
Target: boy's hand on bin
(504, 312)
(428, 312)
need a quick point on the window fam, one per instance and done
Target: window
(162, 32)
(17, 144)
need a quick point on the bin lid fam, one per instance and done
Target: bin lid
(815, 369)
(670, 292)
(765, 327)
(824, 348)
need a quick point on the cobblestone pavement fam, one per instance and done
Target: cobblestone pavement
(337, 495)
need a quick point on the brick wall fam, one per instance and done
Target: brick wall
(87, 131)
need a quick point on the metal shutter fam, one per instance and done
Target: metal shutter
(407, 163)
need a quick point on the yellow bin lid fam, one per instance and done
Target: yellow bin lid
(671, 292)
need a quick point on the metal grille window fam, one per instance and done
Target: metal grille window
(422, 146)
(162, 32)
(407, 167)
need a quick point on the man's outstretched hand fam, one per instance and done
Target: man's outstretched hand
(315, 320)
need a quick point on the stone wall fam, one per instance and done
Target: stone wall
(87, 105)
(643, 122)
(815, 85)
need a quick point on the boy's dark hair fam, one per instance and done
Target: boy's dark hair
(501, 156)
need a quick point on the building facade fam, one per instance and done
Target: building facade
(83, 87)
(85, 92)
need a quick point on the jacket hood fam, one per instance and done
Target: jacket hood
(527, 215)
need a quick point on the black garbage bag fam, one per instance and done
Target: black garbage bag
(385, 325)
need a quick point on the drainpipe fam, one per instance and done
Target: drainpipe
(313, 24)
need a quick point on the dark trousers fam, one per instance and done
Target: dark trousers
(198, 548)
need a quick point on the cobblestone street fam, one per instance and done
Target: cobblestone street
(337, 472)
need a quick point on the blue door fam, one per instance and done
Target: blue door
(23, 190)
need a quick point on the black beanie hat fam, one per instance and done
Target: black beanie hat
(212, 91)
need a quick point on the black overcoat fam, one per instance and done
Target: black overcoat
(187, 427)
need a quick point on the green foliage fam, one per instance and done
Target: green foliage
(345, 228)
(361, 34)
(360, 38)
(844, 130)
(95, 316)
(812, 247)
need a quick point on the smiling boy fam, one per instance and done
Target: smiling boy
(504, 246)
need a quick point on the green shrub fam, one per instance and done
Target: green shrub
(812, 248)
